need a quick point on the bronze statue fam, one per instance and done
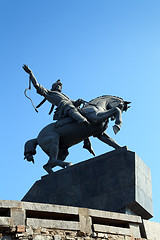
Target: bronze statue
(74, 124)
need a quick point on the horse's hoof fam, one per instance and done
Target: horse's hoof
(68, 164)
(47, 168)
(116, 129)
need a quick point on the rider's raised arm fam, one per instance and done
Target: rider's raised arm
(40, 89)
(34, 81)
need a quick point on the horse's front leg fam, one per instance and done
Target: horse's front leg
(114, 112)
(108, 140)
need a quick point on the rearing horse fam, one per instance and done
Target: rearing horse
(56, 139)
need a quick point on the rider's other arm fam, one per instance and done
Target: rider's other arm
(78, 102)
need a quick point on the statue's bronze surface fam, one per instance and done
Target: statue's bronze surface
(74, 123)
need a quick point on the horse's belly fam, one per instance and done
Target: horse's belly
(73, 134)
(70, 134)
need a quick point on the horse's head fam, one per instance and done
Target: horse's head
(109, 102)
(122, 105)
(112, 101)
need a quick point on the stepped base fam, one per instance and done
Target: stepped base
(117, 181)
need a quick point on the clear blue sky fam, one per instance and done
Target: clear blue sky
(95, 47)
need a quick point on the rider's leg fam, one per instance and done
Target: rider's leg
(75, 114)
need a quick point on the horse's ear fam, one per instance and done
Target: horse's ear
(126, 105)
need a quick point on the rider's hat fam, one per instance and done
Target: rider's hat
(54, 85)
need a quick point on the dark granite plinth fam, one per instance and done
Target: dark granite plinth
(114, 181)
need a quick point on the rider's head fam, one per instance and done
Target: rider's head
(57, 86)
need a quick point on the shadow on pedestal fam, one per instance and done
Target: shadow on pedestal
(117, 181)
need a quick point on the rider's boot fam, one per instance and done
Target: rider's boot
(75, 114)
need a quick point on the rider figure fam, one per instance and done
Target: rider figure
(65, 106)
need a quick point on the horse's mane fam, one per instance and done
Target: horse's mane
(106, 96)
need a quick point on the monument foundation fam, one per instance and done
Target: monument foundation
(37, 221)
(117, 181)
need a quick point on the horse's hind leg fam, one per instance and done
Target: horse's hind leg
(55, 162)
(52, 143)
(54, 154)
(63, 153)
(48, 166)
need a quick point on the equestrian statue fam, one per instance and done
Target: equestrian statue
(75, 121)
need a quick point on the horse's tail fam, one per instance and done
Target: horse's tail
(30, 149)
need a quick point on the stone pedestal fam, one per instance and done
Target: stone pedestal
(117, 181)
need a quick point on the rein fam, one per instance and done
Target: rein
(29, 88)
